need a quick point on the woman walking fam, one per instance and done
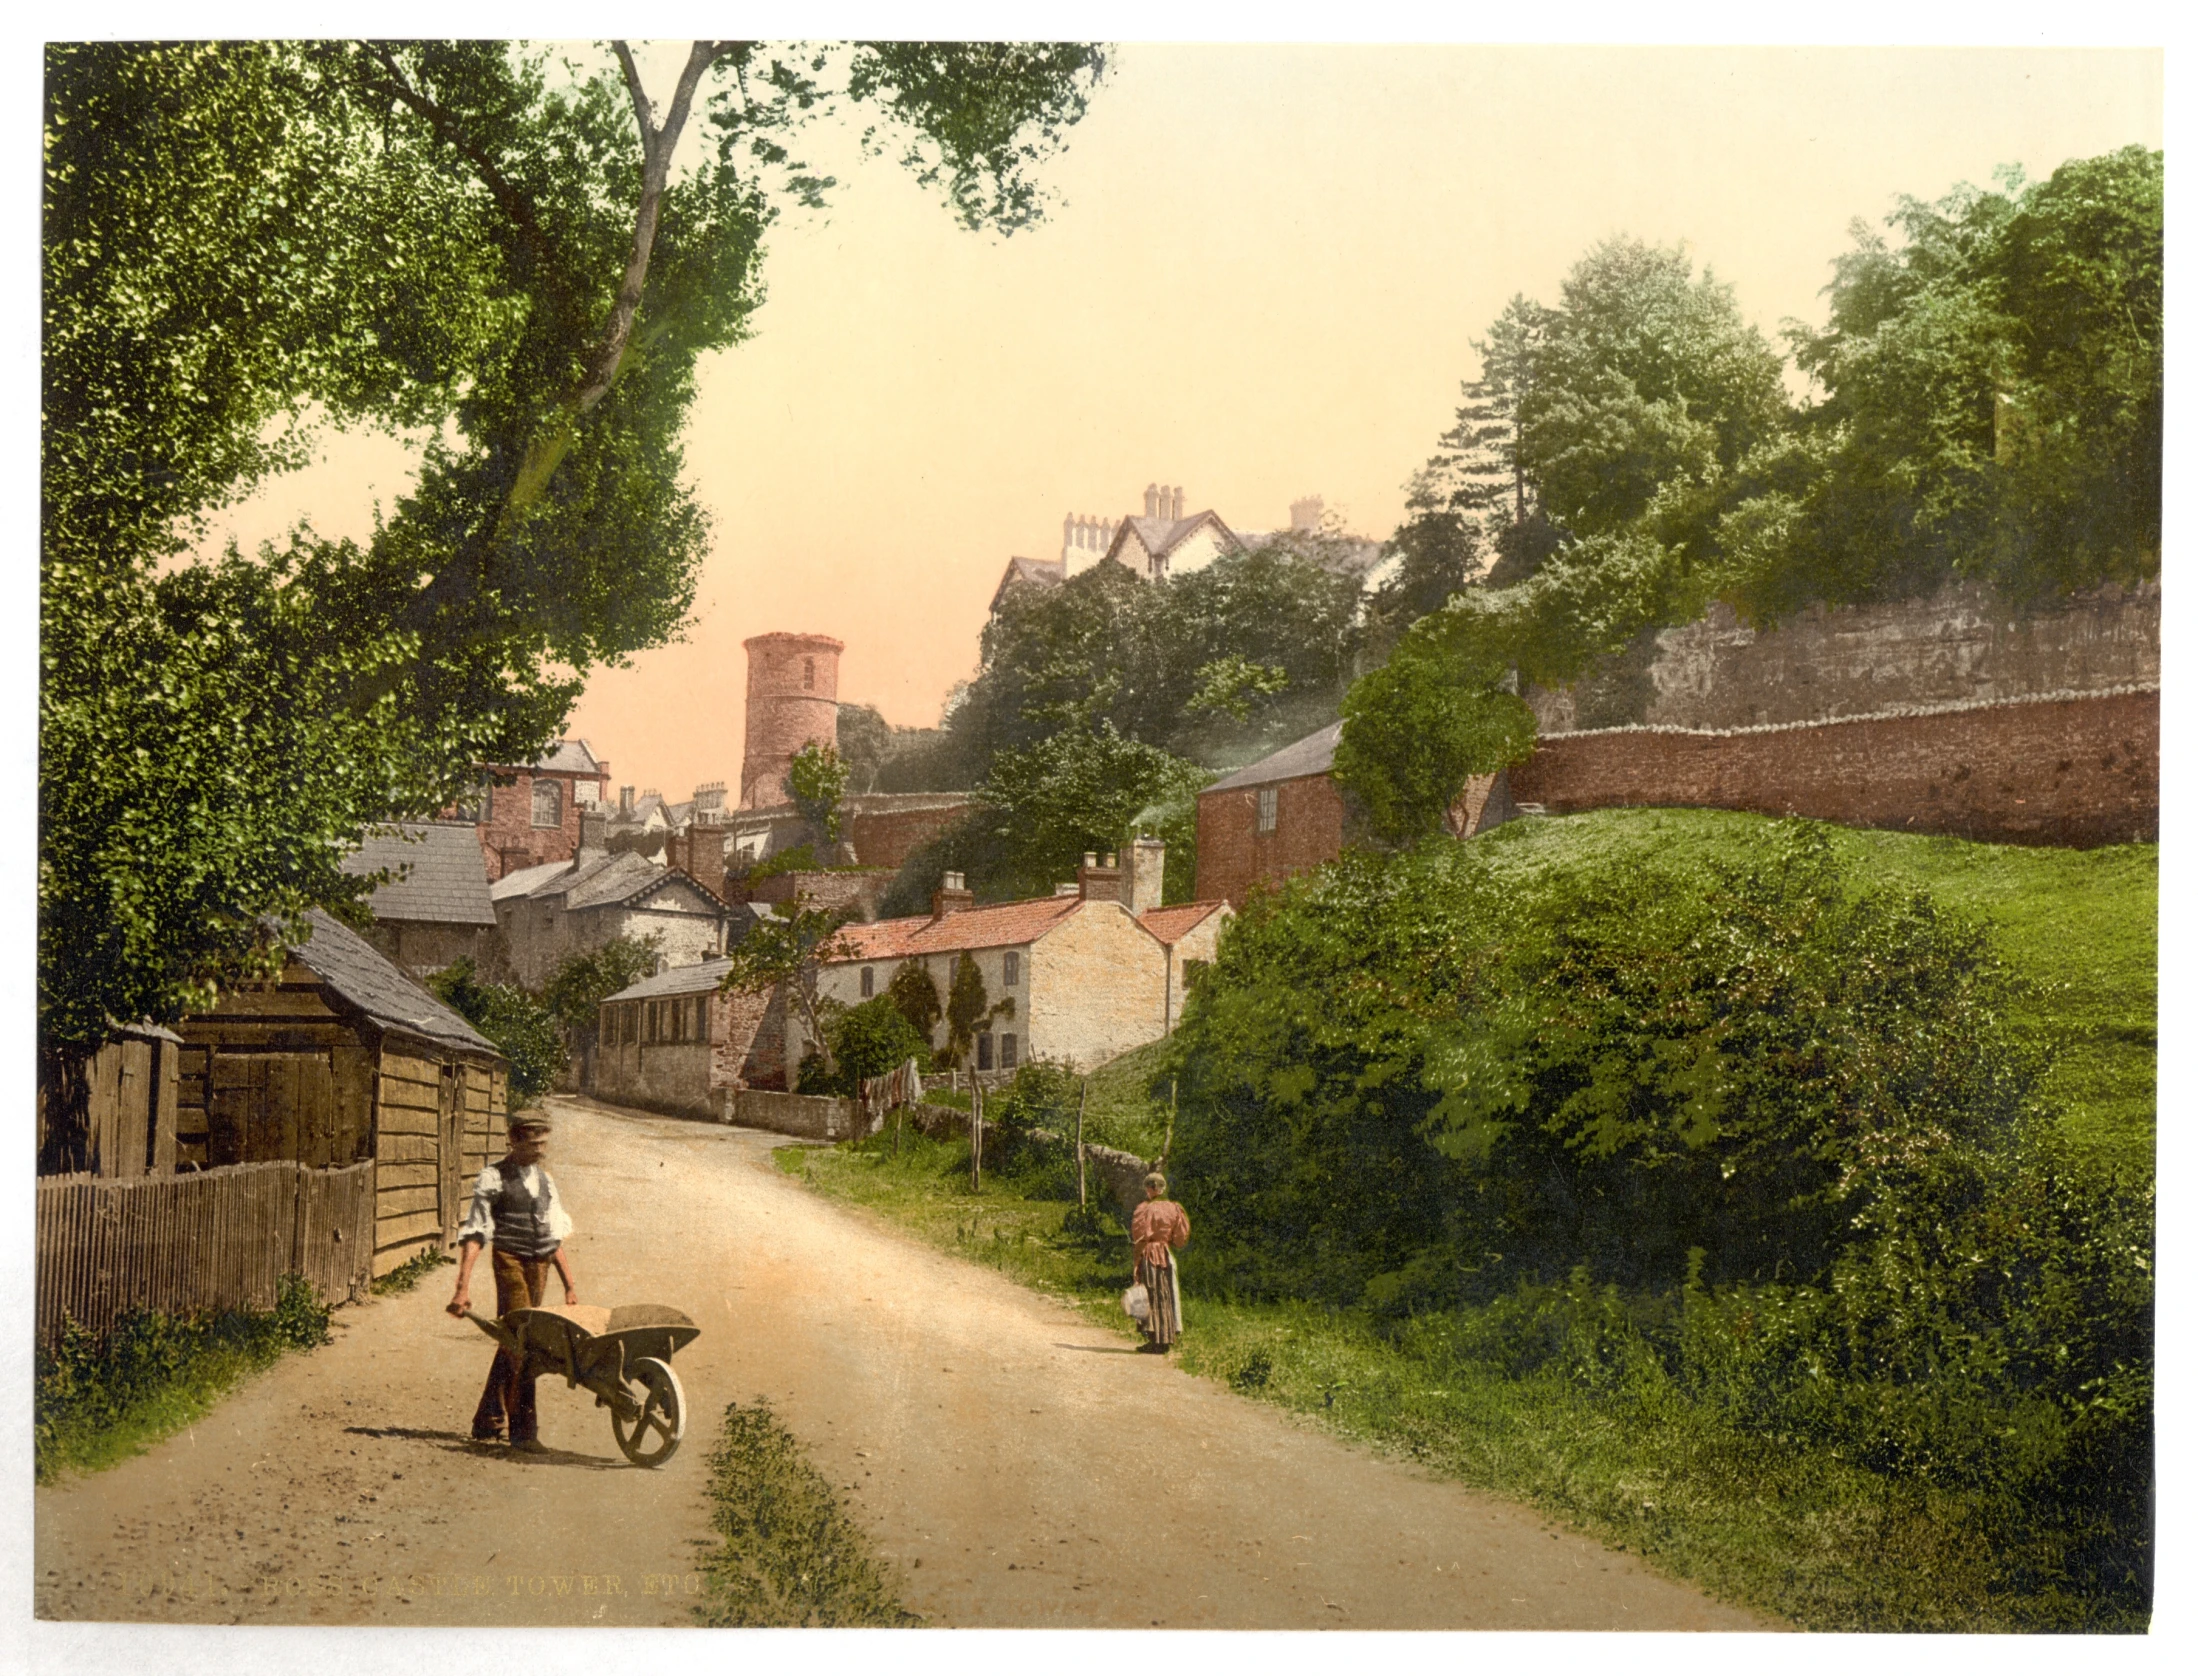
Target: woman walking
(1158, 1229)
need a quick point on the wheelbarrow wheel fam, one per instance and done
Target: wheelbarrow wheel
(652, 1438)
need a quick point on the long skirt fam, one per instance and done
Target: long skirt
(1164, 1318)
(508, 1399)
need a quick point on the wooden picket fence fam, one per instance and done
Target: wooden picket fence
(204, 1240)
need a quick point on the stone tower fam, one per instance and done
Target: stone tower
(793, 700)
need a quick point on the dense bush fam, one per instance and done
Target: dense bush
(1750, 1132)
(867, 1041)
(524, 1029)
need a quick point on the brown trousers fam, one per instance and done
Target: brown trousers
(508, 1398)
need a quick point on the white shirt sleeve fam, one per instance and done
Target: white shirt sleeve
(480, 1222)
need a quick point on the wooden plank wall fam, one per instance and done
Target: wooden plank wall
(408, 1145)
(205, 1240)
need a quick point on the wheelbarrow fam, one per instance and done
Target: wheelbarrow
(623, 1356)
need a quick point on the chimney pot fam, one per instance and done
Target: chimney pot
(1148, 867)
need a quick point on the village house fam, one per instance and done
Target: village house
(528, 814)
(1166, 542)
(340, 1059)
(436, 908)
(547, 914)
(1078, 977)
(674, 1043)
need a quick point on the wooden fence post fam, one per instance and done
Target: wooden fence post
(1083, 1090)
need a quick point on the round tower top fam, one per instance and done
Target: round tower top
(785, 637)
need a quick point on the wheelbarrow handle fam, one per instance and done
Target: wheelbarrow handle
(497, 1331)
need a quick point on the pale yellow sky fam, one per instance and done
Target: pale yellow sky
(1259, 281)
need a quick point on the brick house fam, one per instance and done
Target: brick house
(548, 913)
(529, 814)
(437, 909)
(1285, 814)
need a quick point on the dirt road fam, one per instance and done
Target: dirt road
(1014, 1464)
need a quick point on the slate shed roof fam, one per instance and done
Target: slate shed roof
(351, 966)
(444, 879)
(697, 979)
(524, 881)
(1314, 754)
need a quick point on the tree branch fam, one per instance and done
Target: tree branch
(514, 203)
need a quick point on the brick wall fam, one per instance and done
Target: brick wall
(887, 828)
(1233, 854)
(2075, 770)
(509, 838)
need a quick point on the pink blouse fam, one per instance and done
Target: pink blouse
(1155, 1226)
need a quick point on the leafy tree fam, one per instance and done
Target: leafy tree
(866, 740)
(522, 1027)
(816, 781)
(1992, 401)
(968, 1010)
(1233, 685)
(1436, 554)
(1477, 473)
(584, 981)
(1416, 728)
(788, 951)
(872, 1039)
(915, 994)
(454, 239)
(1042, 809)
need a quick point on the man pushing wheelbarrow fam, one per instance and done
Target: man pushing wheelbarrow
(515, 1209)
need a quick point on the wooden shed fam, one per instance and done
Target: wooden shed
(122, 1120)
(342, 1059)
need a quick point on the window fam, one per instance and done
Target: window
(984, 1051)
(702, 1018)
(808, 672)
(549, 803)
(1267, 808)
(1007, 1053)
(869, 981)
(1011, 971)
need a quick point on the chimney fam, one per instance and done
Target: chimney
(952, 897)
(1147, 858)
(1152, 500)
(594, 835)
(625, 802)
(1096, 883)
(1176, 504)
(705, 857)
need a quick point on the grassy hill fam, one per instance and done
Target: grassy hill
(2080, 926)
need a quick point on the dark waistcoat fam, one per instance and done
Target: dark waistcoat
(522, 1220)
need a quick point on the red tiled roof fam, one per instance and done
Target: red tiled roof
(1169, 924)
(1003, 925)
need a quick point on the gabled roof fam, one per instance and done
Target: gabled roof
(1171, 924)
(1161, 536)
(1003, 925)
(351, 966)
(567, 756)
(697, 979)
(1314, 754)
(1046, 573)
(443, 878)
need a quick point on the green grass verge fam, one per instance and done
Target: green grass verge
(99, 1401)
(411, 1272)
(1790, 1531)
(787, 1554)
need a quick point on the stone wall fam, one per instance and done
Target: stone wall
(669, 1077)
(1097, 988)
(887, 828)
(1962, 645)
(812, 1117)
(2070, 769)
(856, 889)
